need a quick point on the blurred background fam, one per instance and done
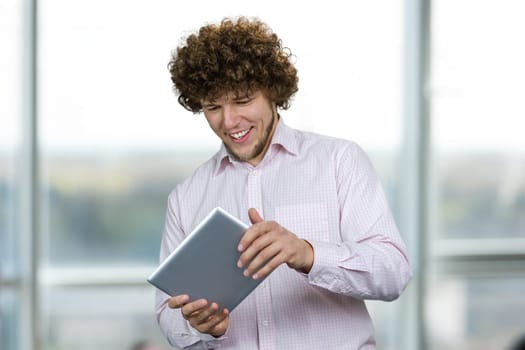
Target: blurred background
(92, 140)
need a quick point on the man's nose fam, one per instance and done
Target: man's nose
(230, 117)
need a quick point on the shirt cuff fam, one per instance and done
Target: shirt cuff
(328, 256)
(211, 340)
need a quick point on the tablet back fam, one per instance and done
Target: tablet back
(204, 265)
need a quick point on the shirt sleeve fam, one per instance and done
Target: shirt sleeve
(370, 261)
(175, 328)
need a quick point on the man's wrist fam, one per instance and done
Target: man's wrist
(309, 260)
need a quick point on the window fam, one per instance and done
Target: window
(10, 109)
(477, 187)
(10, 148)
(479, 150)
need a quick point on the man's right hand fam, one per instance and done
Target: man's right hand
(202, 315)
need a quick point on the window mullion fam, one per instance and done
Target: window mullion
(415, 153)
(29, 184)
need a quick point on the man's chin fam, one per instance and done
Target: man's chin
(238, 156)
(242, 156)
(246, 156)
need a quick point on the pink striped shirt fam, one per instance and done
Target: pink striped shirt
(326, 191)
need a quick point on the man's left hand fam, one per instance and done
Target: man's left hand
(266, 245)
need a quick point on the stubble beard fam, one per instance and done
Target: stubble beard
(258, 148)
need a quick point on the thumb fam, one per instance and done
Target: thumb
(254, 215)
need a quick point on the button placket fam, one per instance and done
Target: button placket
(265, 323)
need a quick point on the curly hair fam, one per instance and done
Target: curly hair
(238, 56)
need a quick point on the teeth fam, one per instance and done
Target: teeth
(240, 134)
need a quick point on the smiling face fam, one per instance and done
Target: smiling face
(245, 124)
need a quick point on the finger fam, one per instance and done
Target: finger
(259, 253)
(216, 324)
(254, 216)
(193, 308)
(203, 316)
(178, 301)
(259, 227)
(222, 325)
(254, 241)
(252, 233)
(267, 266)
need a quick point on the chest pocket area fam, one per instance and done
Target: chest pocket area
(306, 220)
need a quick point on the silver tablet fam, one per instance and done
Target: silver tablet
(204, 265)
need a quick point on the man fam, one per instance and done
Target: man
(321, 228)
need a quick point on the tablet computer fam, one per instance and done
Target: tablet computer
(204, 265)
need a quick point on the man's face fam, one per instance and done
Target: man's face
(245, 124)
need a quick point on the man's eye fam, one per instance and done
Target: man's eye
(244, 101)
(211, 108)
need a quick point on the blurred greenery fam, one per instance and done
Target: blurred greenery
(110, 210)
(99, 227)
(481, 196)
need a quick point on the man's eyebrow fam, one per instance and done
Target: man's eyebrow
(208, 102)
(243, 96)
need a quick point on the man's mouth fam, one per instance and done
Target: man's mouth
(238, 136)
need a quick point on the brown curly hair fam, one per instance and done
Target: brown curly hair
(238, 56)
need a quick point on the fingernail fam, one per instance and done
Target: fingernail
(239, 264)
(240, 247)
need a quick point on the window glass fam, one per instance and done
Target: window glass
(104, 318)
(477, 107)
(9, 319)
(475, 313)
(477, 187)
(109, 130)
(10, 112)
(10, 121)
(108, 208)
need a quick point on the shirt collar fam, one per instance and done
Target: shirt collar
(283, 138)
